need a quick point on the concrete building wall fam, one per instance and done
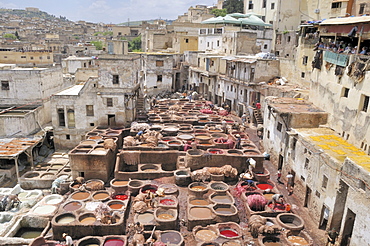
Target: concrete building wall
(28, 85)
(346, 112)
(26, 57)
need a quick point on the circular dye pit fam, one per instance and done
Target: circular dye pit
(165, 216)
(198, 188)
(101, 195)
(229, 233)
(114, 242)
(265, 186)
(87, 220)
(219, 186)
(199, 202)
(121, 197)
(145, 218)
(167, 202)
(65, 219)
(272, 241)
(46, 209)
(48, 176)
(201, 213)
(296, 240)
(72, 206)
(224, 210)
(149, 168)
(90, 242)
(222, 199)
(120, 183)
(231, 243)
(216, 151)
(234, 152)
(206, 235)
(52, 200)
(80, 195)
(116, 205)
(171, 238)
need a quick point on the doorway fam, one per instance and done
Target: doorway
(307, 198)
(348, 228)
(281, 162)
(111, 120)
(324, 218)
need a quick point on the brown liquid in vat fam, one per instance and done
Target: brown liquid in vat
(101, 196)
(80, 195)
(199, 202)
(201, 212)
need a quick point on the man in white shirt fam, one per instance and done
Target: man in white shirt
(69, 241)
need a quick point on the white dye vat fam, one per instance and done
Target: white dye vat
(45, 209)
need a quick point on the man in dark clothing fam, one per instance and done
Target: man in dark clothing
(332, 236)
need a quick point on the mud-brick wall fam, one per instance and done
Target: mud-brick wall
(93, 166)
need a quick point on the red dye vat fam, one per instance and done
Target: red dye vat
(114, 242)
(167, 202)
(149, 190)
(120, 197)
(229, 233)
(215, 152)
(264, 186)
(278, 207)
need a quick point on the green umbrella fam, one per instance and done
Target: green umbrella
(238, 15)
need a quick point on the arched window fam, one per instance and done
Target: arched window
(71, 118)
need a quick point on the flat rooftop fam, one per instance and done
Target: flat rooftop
(71, 91)
(335, 146)
(11, 147)
(290, 105)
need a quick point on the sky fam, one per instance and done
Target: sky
(109, 11)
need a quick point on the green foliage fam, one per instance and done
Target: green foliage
(219, 12)
(135, 44)
(16, 34)
(234, 6)
(103, 33)
(98, 44)
(10, 36)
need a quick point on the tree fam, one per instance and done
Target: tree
(10, 36)
(234, 6)
(98, 44)
(16, 34)
(219, 12)
(135, 44)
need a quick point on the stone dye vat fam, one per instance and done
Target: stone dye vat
(296, 238)
(66, 218)
(101, 196)
(80, 196)
(225, 212)
(146, 218)
(195, 201)
(87, 219)
(224, 198)
(290, 221)
(199, 215)
(171, 238)
(182, 177)
(205, 234)
(230, 230)
(219, 187)
(198, 189)
(72, 206)
(166, 218)
(117, 205)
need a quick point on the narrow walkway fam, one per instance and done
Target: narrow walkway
(319, 236)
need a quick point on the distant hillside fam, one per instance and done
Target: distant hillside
(31, 14)
(138, 23)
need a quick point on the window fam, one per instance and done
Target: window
(265, 46)
(264, 3)
(317, 193)
(362, 8)
(336, 5)
(365, 104)
(272, 5)
(159, 63)
(115, 79)
(279, 126)
(186, 40)
(324, 182)
(62, 121)
(288, 39)
(252, 74)
(306, 163)
(159, 78)
(89, 110)
(71, 118)
(48, 57)
(268, 134)
(4, 85)
(23, 56)
(5, 57)
(207, 44)
(303, 74)
(119, 33)
(250, 5)
(305, 60)
(68, 137)
(31, 57)
(109, 102)
(218, 43)
(92, 124)
(361, 185)
(40, 57)
(345, 92)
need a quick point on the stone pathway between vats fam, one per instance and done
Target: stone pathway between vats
(319, 236)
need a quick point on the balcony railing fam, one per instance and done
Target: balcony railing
(335, 58)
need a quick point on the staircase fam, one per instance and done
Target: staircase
(258, 116)
(141, 115)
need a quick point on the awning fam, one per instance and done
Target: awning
(347, 20)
